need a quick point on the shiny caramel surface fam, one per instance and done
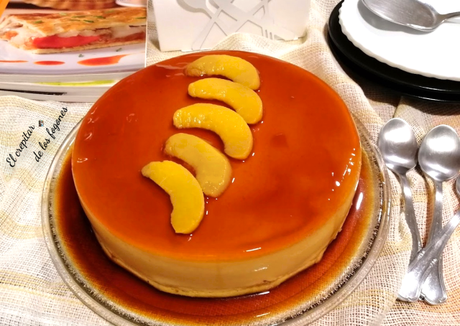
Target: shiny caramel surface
(306, 152)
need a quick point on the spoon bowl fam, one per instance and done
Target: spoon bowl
(398, 146)
(411, 13)
(439, 154)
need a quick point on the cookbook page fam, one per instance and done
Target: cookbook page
(71, 40)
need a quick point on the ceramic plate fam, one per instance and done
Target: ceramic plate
(434, 54)
(123, 299)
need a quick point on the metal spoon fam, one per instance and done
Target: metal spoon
(427, 258)
(398, 146)
(439, 158)
(411, 13)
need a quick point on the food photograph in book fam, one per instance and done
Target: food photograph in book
(71, 37)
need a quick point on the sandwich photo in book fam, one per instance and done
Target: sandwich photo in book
(39, 39)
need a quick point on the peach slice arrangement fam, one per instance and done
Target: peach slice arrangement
(212, 168)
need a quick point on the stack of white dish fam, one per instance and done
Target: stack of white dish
(434, 54)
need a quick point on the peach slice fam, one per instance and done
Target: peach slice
(234, 68)
(228, 124)
(241, 98)
(212, 168)
(184, 190)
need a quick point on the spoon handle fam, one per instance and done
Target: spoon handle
(450, 15)
(410, 217)
(425, 262)
(433, 289)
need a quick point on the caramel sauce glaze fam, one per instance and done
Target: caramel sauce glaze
(305, 150)
(120, 286)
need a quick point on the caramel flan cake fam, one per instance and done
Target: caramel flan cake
(217, 174)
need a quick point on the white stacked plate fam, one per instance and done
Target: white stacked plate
(409, 62)
(434, 54)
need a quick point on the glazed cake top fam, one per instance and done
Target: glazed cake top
(305, 162)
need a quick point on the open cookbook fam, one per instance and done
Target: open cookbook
(74, 50)
(69, 50)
